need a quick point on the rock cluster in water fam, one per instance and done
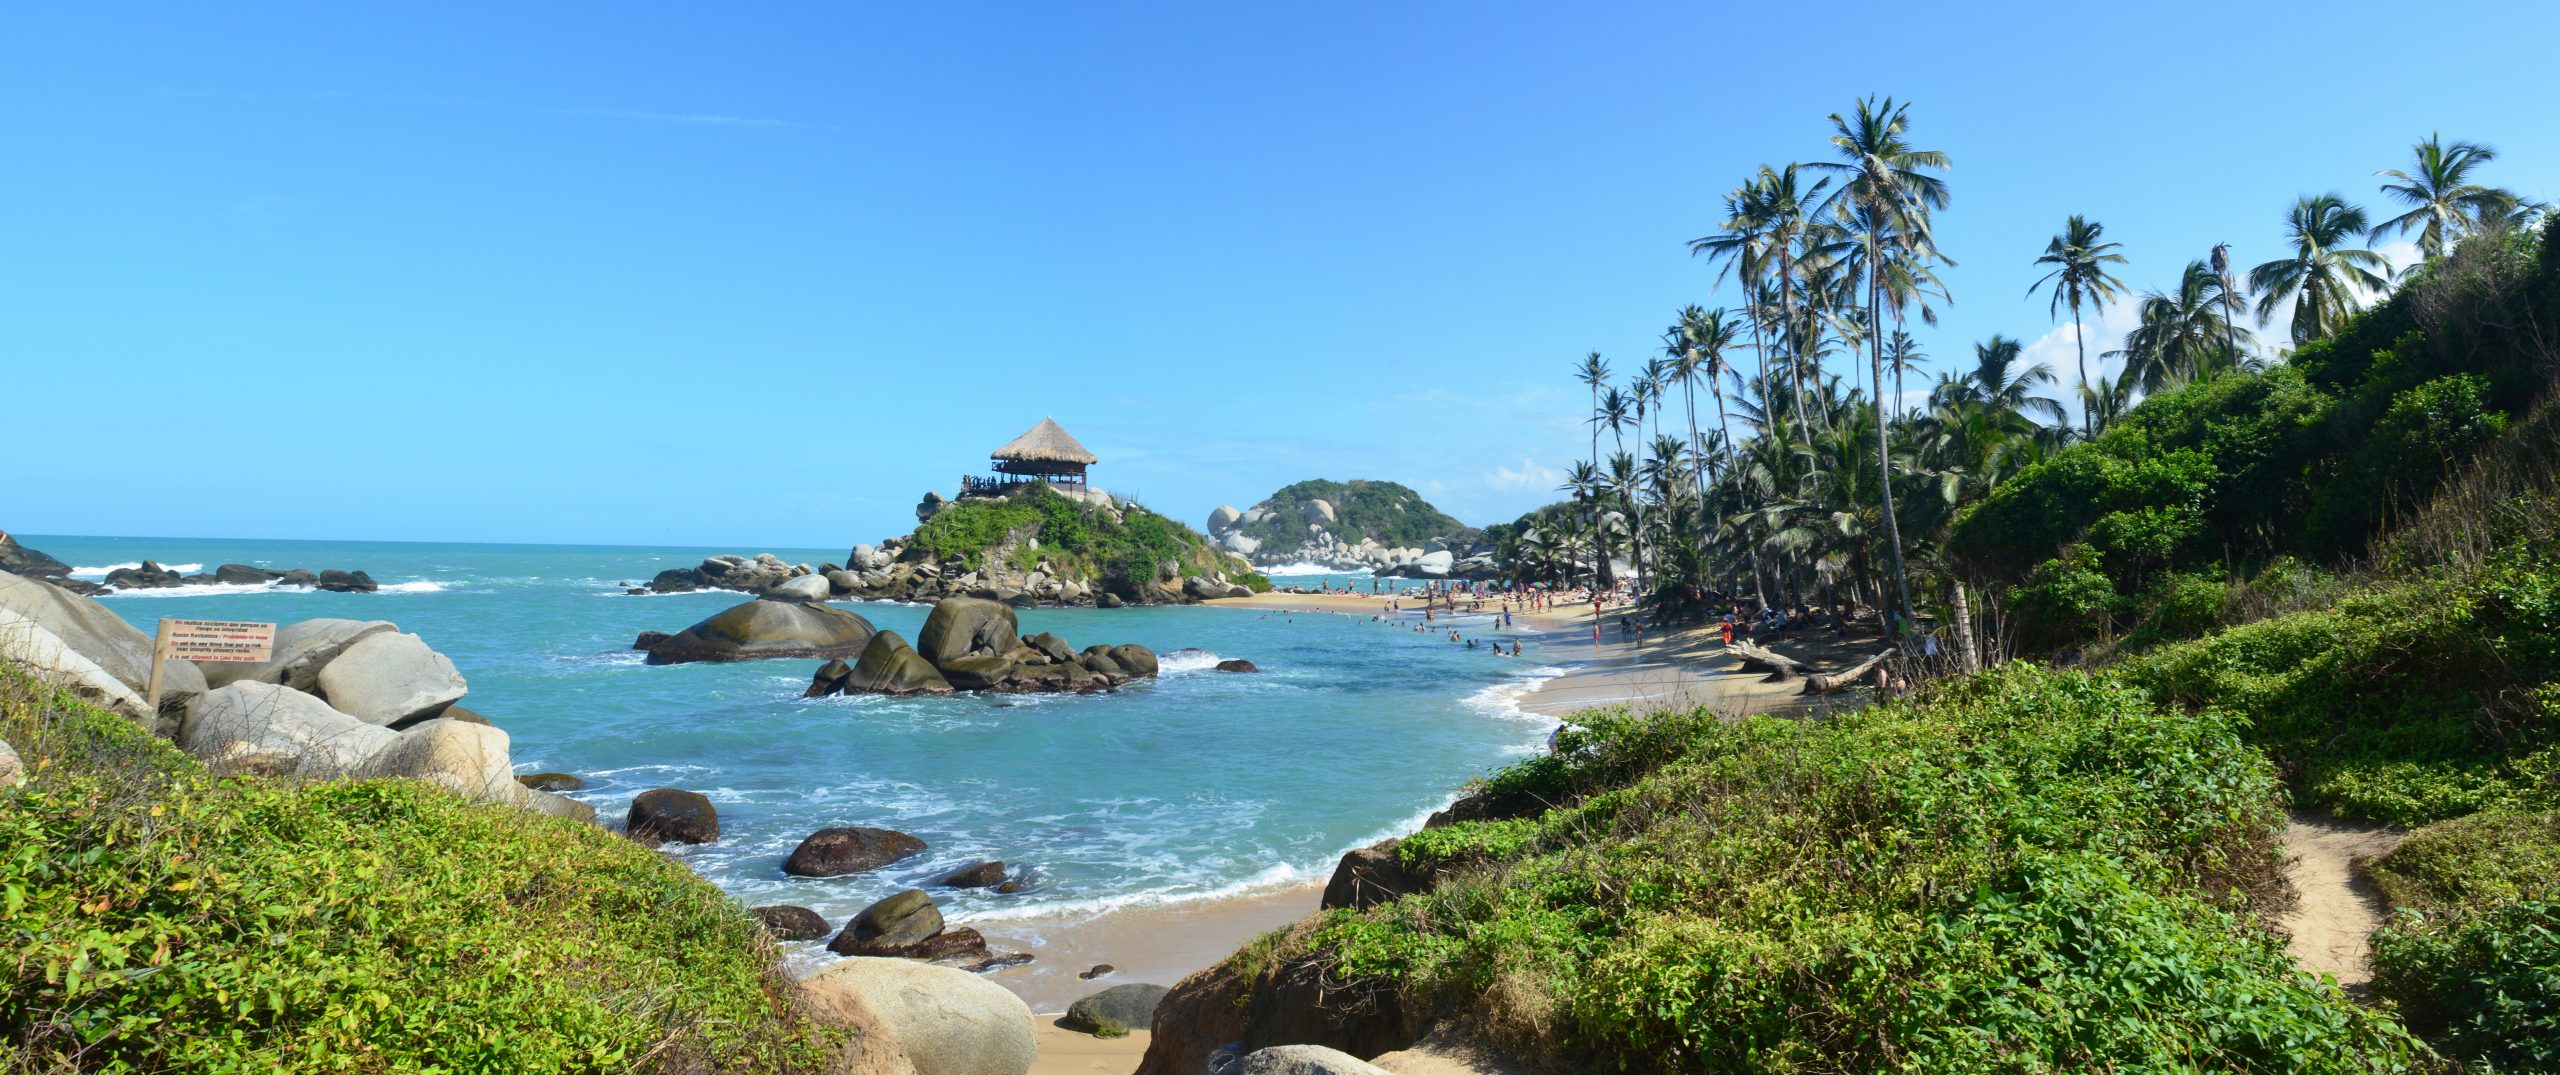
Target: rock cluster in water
(768, 626)
(896, 570)
(971, 644)
(17, 559)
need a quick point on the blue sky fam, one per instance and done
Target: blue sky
(749, 277)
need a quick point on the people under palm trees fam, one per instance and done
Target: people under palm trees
(2326, 278)
(2445, 205)
(2079, 257)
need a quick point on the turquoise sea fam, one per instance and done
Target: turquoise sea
(1198, 785)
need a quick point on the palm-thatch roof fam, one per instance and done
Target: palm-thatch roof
(1045, 443)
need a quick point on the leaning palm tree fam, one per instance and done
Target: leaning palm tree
(2080, 257)
(2325, 277)
(1888, 185)
(2445, 204)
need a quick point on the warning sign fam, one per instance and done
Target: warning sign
(218, 640)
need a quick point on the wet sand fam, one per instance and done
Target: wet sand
(1159, 944)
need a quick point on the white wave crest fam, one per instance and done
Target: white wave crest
(420, 586)
(207, 589)
(1190, 659)
(183, 569)
(1311, 568)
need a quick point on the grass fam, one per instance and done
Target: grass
(161, 919)
(2032, 870)
(2472, 956)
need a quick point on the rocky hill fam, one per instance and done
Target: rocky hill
(1033, 546)
(1354, 525)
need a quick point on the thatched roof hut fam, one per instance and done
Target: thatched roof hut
(1045, 453)
(1045, 443)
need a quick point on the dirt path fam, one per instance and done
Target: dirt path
(2337, 912)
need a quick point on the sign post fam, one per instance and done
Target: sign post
(208, 640)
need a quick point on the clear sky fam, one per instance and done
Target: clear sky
(759, 275)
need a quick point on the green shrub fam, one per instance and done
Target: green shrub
(2472, 954)
(162, 920)
(2065, 597)
(2032, 870)
(2182, 605)
(2407, 703)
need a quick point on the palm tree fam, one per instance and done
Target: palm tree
(1593, 373)
(1997, 384)
(2446, 204)
(2080, 257)
(1583, 480)
(1889, 188)
(2180, 332)
(2230, 292)
(2105, 402)
(2325, 277)
(1901, 355)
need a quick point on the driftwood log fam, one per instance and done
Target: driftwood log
(1835, 682)
(1780, 667)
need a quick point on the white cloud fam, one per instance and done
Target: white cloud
(1529, 478)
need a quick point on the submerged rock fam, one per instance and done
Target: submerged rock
(552, 782)
(987, 874)
(673, 816)
(789, 923)
(850, 849)
(1237, 664)
(760, 629)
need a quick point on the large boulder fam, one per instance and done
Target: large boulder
(760, 629)
(269, 728)
(890, 666)
(1132, 1006)
(671, 815)
(901, 920)
(949, 1022)
(1050, 646)
(97, 633)
(467, 759)
(1369, 876)
(1319, 512)
(244, 575)
(1305, 1060)
(978, 673)
(966, 627)
(851, 849)
(26, 644)
(986, 874)
(1200, 589)
(1223, 518)
(1434, 565)
(301, 650)
(804, 588)
(1199, 1015)
(392, 680)
(16, 559)
(1137, 660)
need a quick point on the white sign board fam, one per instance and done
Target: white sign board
(208, 640)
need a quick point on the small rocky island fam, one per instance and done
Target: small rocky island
(1034, 534)
(1376, 526)
(966, 644)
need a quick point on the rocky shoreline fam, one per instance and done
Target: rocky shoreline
(895, 570)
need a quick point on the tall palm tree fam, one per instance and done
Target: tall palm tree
(1593, 372)
(1902, 354)
(2445, 204)
(2325, 277)
(1888, 184)
(2080, 256)
(1584, 482)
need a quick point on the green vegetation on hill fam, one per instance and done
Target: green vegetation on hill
(2203, 487)
(1386, 512)
(2032, 870)
(1116, 549)
(2473, 958)
(161, 919)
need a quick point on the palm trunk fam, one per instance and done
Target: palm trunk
(2079, 340)
(1884, 456)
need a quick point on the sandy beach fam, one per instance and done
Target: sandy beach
(1145, 943)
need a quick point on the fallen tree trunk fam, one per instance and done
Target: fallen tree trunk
(1840, 681)
(1780, 667)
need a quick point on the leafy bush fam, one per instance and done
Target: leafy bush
(2031, 870)
(1079, 540)
(164, 920)
(2472, 957)
(2407, 703)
